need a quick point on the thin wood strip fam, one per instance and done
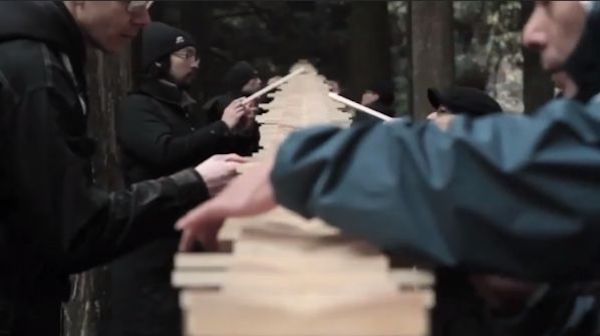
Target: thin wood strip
(202, 279)
(359, 107)
(274, 85)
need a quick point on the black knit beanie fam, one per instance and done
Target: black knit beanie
(240, 74)
(160, 40)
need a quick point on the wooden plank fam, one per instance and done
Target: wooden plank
(197, 261)
(225, 261)
(223, 315)
(401, 279)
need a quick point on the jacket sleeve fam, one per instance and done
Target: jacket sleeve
(73, 225)
(246, 141)
(511, 194)
(144, 133)
(213, 109)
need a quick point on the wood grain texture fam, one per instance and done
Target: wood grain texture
(280, 274)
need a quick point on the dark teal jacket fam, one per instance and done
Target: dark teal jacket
(506, 194)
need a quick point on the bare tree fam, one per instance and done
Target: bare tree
(432, 50)
(109, 78)
(369, 58)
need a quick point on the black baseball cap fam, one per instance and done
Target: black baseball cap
(464, 100)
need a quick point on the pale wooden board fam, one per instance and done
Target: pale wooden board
(299, 103)
(403, 280)
(217, 314)
(233, 227)
(196, 261)
(268, 283)
(210, 261)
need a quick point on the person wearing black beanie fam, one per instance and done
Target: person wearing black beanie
(158, 134)
(160, 40)
(241, 80)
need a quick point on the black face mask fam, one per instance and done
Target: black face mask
(583, 66)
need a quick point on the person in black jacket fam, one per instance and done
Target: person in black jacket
(380, 97)
(158, 134)
(53, 222)
(157, 131)
(240, 81)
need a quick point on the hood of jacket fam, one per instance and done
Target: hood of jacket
(45, 21)
(583, 65)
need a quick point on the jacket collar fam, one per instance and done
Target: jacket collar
(167, 92)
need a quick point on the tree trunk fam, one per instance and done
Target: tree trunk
(538, 87)
(109, 78)
(369, 57)
(432, 51)
(196, 20)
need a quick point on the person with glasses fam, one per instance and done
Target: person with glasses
(53, 222)
(159, 134)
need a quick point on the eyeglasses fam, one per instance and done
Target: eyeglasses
(137, 7)
(187, 55)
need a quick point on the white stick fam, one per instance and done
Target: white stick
(359, 107)
(272, 86)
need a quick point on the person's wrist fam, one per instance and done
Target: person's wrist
(229, 123)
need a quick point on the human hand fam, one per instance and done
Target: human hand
(233, 113)
(219, 170)
(247, 195)
(441, 120)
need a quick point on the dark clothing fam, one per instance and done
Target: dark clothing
(458, 310)
(243, 141)
(158, 135)
(553, 311)
(464, 100)
(239, 74)
(385, 90)
(362, 117)
(142, 299)
(550, 311)
(53, 222)
(583, 65)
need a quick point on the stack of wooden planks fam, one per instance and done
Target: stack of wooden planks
(281, 275)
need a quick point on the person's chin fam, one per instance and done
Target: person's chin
(551, 65)
(111, 47)
(185, 85)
